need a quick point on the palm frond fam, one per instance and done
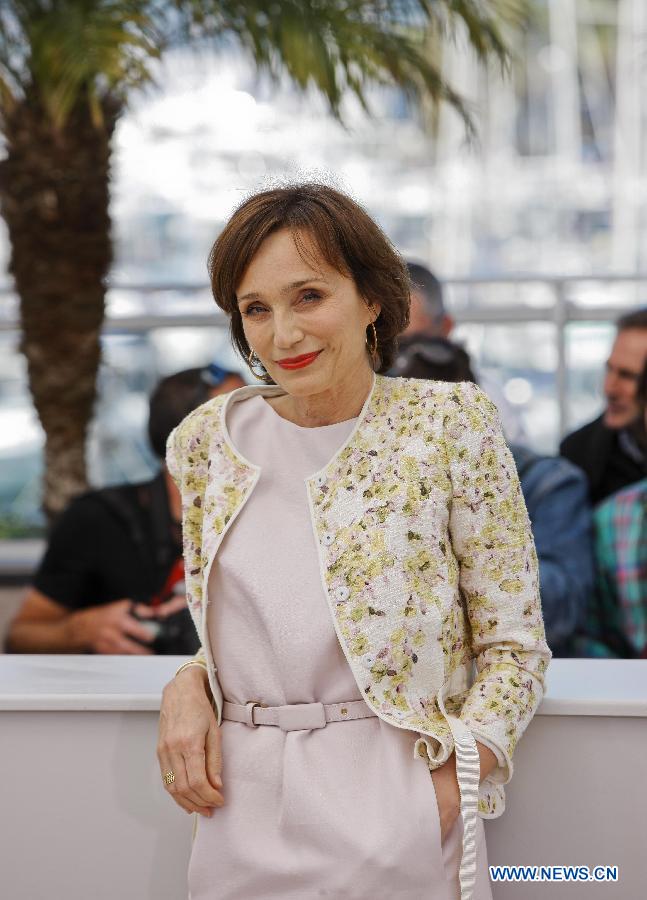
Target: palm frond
(70, 49)
(345, 45)
(66, 49)
(485, 24)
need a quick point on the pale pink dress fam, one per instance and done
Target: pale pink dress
(344, 811)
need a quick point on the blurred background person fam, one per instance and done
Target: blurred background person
(112, 578)
(555, 492)
(429, 319)
(427, 315)
(616, 622)
(220, 380)
(606, 449)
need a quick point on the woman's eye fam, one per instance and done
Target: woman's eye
(255, 309)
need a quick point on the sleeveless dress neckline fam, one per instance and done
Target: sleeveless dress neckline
(249, 392)
(289, 422)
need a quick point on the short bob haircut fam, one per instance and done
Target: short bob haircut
(347, 239)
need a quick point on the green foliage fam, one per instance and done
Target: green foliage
(63, 51)
(12, 528)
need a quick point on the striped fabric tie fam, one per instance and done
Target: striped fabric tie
(468, 770)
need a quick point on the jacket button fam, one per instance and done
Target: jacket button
(343, 592)
(320, 480)
(328, 538)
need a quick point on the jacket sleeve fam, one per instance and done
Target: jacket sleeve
(498, 575)
(602, 634)
(600, 623)
(173, 457)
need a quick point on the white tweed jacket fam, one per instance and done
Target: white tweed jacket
(427, 562)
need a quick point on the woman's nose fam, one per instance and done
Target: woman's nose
(286, 331)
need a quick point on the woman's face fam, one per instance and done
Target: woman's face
(291, 308)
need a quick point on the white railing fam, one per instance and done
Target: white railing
(566, 307)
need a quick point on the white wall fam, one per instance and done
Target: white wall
(84, 814)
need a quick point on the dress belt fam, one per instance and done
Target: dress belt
(295, 716)
(305, 716)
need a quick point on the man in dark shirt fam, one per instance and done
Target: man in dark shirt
(605, 448)
(112, 570)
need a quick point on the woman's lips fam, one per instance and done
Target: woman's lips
(300, 361)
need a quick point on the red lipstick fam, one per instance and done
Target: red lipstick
(298, 362)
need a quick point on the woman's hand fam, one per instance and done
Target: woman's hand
(448, 795)
(189, 742)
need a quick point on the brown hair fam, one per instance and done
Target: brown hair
(345, 235)
(434, 359)
(174, 398)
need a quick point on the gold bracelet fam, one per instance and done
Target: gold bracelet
(193, 662)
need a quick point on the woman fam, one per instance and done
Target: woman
(352, 542)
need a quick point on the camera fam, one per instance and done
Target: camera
(173, 636)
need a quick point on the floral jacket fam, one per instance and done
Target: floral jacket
(427, 562)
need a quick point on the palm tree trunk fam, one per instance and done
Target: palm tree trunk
(54, 195)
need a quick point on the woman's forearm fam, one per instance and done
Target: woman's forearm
(194, 678)
(33, 636)
(488, 760)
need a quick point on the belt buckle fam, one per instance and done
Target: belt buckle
(249, 712)
(302, 716)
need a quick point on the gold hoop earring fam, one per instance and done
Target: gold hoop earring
(372, 349)
(250, 363)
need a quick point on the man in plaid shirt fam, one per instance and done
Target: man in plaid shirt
(617, 617)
